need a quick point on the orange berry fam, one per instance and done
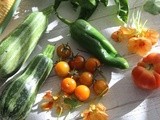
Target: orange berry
(68, 85)
(82, 92)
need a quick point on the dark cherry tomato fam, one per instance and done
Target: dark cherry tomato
(86, 78)
(77, 62)
(92, 64)
(100, 86)
(64, 51)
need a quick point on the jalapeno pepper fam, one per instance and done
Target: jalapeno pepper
(93, 41)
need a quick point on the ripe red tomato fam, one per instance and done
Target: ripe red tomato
(146, 74)
(64, 51)
(77, 62)
(92, 64)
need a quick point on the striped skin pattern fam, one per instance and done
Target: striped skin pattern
(19, 94)
(19, 44)
(5, 6)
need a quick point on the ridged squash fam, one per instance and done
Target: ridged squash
(19, 44)
(19, 93)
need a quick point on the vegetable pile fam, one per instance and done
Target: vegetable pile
(79, 77)
(94, 42)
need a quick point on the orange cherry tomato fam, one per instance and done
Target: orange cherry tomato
(68, 85)
(62, 69)
(146, 74)
(82, 92)
(100, 86)
(86, 78)
(92, 64)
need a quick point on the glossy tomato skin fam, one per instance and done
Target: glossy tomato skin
(64, 51)
(62, 69)
(68, 85)
(146, 74)
(82, 92)
(77, 62)
(92, 64)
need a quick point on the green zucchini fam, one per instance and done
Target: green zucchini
(19, 44)
(20, 92)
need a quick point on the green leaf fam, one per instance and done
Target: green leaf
(152, 6)
(123, 10)
(72, 102)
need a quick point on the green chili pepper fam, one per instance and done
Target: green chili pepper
(93, 41)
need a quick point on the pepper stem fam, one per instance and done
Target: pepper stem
(48, 51)
(64, 20)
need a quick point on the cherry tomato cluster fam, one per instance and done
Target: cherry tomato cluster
(78, 74)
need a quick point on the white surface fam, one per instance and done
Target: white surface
(124, 101)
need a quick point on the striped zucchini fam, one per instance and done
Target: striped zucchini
(7, 9)
(20, 92)
(19, 44)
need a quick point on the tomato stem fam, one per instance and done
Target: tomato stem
(149, 66)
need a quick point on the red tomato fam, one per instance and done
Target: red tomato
(77, 62)
(146, 74)
(92, 64)
(86, 78)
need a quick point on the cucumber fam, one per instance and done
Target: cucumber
(19, 93)
(19, 44)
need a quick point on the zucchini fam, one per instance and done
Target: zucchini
(7, 9)
(19, 44)
(19, 93)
